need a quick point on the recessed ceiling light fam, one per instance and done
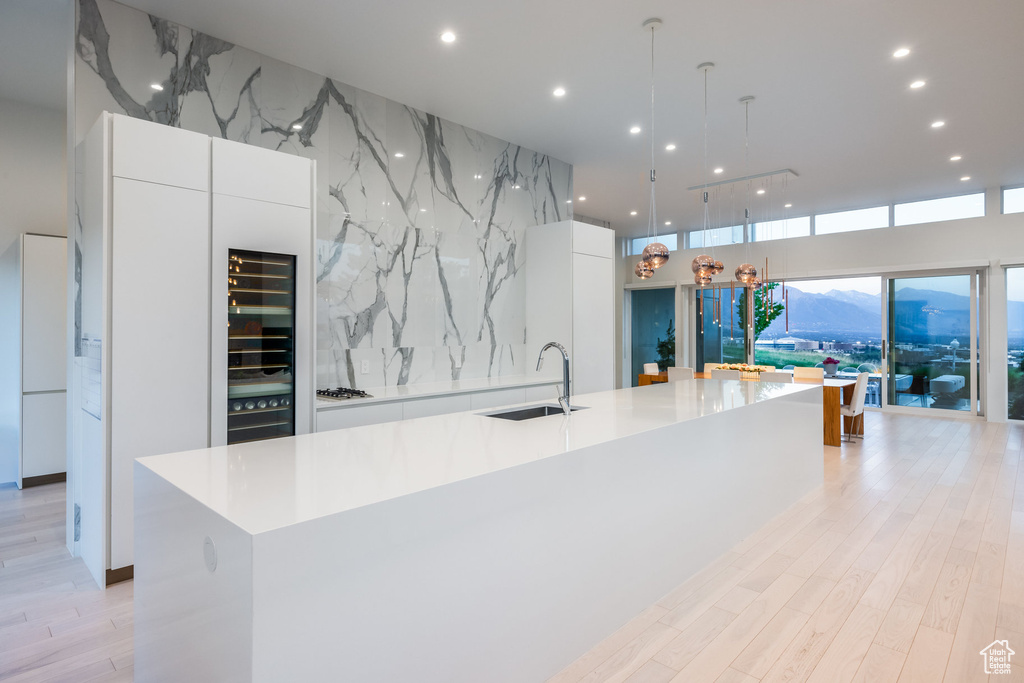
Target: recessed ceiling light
(719, 170)
(634, 130)
(966, 177)
(448, 37)
(670, 146)
(789, 206)
(938, 124)
(902, 52)
(156, 86)
(515, 187)
(568, 201)
(477, 176)
(559, 92)
(296, 126)
(632, 213)
(917, 84)
(760, 191)
(955, 157)
(583, 199)
(423, 210)
(399, 155)
(668, 222)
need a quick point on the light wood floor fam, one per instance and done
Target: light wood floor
(55, 624)
(906, 563)
(902, 567)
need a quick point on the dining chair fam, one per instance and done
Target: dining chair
(850, 370)
(725, 374)
(781, 377)
(676, 374)
(708, 367)
(855, 409)
(808, 373)
(788, 367)
(651, 369)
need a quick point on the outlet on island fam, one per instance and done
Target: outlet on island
(364, 367)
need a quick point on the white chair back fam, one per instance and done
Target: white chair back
(725, 374)
(676, 374)
(860, 391)
(651, 369)
(808, 373)
(708, 367)
(782, 377)
(768, 368)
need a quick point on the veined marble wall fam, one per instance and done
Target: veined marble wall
(420, 221)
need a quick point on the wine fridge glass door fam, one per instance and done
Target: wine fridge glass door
(261, 345)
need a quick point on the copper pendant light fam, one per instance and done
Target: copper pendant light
(643, 270)
(702, 277)
(746, 273)
(656, 254)
(703, 262)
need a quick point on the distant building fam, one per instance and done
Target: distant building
(787, 344)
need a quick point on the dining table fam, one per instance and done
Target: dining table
(837, 391)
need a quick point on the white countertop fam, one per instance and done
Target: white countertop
(431, 389)
(266, 485)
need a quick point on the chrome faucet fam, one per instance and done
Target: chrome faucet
(563, 400)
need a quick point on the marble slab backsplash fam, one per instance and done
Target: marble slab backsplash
(420, 221)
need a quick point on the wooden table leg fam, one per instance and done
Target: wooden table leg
(830, 414)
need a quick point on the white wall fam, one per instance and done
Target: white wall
(33, 175)
(989, 243)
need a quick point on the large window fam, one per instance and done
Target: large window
(944, 209)
(720, 320)
(716, 237)
(782, 229)
(1013, 200)
(845, 221)
(837, 318)
(1015, 340)
(931, 336)
(636, 245)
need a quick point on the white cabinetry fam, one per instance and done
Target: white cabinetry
(570, 283)
(33, 398)
(161, 208)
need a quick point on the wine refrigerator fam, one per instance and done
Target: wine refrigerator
(261, 345)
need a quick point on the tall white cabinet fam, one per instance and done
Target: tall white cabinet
(570, 290)
(33, 285)
(162, 208)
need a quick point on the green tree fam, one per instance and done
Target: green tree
(667, 348)
(765, 312)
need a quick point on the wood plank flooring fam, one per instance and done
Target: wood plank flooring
(906, 563)
(55, 623)
(902, 567)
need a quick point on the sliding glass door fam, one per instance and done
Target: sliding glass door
(1015, 342)
(932, 341)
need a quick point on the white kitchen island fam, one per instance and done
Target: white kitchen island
(458, 547)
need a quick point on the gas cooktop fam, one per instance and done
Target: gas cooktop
(341, 393)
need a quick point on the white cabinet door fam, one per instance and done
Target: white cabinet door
(166, 155)
(499, 397)
(44, 319)
(357, 416)
(441, 405)
(593, 350)
(160, 335)
(43, 434)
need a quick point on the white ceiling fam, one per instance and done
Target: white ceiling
(832, 103)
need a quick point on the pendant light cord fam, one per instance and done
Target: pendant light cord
(706, 215)
(653, 212)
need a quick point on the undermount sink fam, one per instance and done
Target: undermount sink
(531, 412)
